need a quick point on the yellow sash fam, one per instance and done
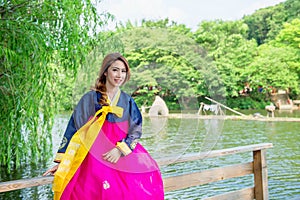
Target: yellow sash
(78, 148)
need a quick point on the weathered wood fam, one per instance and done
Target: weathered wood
(214, 153)
(25, 183)
(260, 175)
(242, 194)
(207, 176)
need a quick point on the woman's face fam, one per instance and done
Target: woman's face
(115, 74)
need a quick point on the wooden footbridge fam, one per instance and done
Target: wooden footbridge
(257, 167)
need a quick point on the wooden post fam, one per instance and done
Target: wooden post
(260, 175)
(200, 109)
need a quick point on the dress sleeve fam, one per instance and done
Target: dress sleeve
(135, 125)
(82, 112)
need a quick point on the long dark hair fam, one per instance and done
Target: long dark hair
(101, 80)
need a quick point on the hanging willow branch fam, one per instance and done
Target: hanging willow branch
(38, 41)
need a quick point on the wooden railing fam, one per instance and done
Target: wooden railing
(257, 167)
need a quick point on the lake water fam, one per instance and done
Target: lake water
(178, 136)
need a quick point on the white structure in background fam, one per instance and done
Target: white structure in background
(158, 107)
(270, 109)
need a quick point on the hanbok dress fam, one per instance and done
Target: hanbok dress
(94, 130)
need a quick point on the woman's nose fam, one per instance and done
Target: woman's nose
(119, 74)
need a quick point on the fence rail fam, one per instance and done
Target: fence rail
(258, 167)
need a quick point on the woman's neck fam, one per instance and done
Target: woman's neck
(111, 92)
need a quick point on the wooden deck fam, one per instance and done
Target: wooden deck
(257, 167)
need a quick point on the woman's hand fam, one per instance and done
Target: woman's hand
(51, 171)
(112, 155)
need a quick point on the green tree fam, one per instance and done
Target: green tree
(179, 69)
(290, 35)
(210, 33)
(289, 38)
(230, 50)
(266, 23)
(38, 39)
(273, 67)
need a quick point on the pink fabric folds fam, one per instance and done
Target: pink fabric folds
(135, 176)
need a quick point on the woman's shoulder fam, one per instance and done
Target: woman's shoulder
(127, 99)
(126, 96)
(89, 95)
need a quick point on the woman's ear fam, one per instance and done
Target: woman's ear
(105, 73)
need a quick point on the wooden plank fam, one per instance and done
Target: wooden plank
(242, 194)
(25, 183)
(183, 181)
(170, 183)
(207, 176)
(214, 153)
(260, 175)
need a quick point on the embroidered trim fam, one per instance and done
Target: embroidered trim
(133, 144)
(58, 157)
(122, 146)
(63, 143)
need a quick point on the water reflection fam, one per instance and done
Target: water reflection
(176, 137)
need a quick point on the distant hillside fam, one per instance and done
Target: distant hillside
(265, 24)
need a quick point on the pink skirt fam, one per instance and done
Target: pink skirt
(135, 176)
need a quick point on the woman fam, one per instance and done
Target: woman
(100, 157)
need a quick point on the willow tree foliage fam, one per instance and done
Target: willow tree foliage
(38, 40)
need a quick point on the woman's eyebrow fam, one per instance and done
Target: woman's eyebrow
(117, 67)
